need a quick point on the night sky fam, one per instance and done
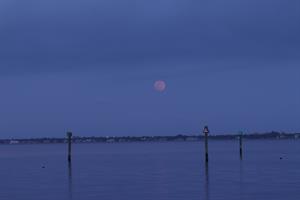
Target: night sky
(90, 66)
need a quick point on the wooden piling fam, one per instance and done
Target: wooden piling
(206, 131)
(241, 145)
(69, 135)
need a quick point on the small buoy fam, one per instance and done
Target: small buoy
(280, 158)
(43, 167)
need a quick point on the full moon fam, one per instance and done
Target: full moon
(160, 85)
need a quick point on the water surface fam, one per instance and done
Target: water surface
(270, 169)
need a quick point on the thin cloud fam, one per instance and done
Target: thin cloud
(55, 35)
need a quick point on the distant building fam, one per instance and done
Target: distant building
(110, 140)
(14, 142)
(191, 139)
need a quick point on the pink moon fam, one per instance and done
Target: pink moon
(160, 85)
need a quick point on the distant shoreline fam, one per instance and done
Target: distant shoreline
(177, 138)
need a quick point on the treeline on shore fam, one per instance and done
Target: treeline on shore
(178, 138)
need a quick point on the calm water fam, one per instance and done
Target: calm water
(144, 171)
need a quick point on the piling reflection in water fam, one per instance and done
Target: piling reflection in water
(70, 181)
(206, 182)
(241, 184)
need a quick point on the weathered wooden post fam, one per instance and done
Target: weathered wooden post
(241, 145)
(69, 135)
(206, 131)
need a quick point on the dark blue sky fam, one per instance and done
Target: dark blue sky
(89, 66)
